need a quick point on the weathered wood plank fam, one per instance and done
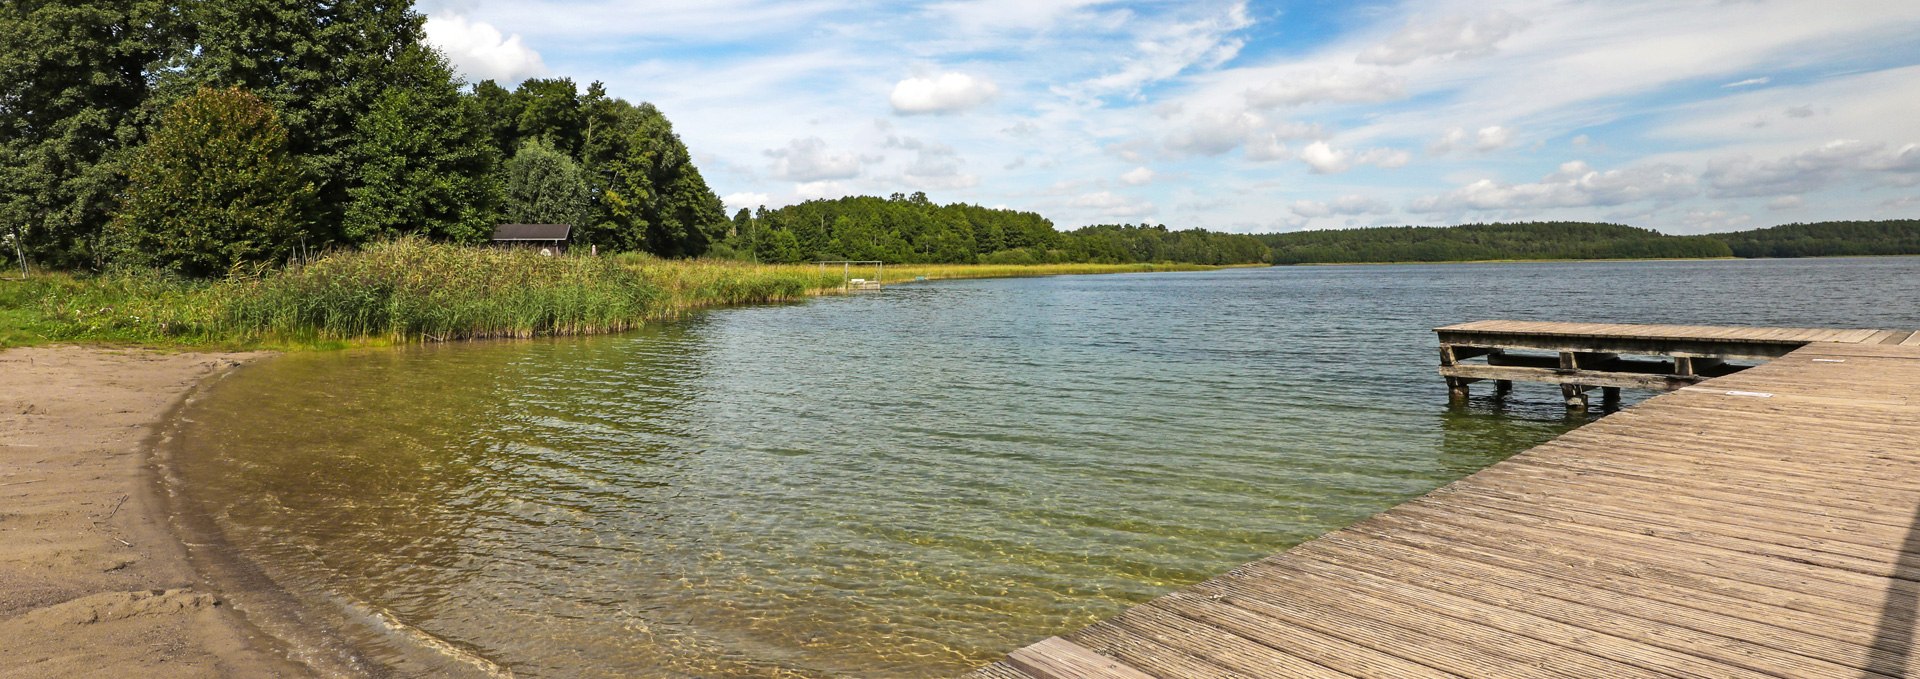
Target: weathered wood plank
(1057, 658)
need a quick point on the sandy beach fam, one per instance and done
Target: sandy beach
(92, 580)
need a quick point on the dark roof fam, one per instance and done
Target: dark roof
(531, 232)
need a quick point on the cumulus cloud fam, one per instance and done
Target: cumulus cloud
(944, 93)
(1113, 206)
(1575, 184)
(809, 160)
(480, 51)
(1345, 86)
(1324, 158)
(1490, 138)
(1213, 133)
(1349, 205)
(1137, 176)
(1456, 37)
(1814, 168)
(744, 199)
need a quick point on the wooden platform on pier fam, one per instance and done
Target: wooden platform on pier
(1760, 524)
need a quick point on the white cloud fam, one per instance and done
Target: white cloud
(820, 189)
(1137, 176)
(744, 199)
(1750, 82)
(1329, 85)
(1801, 111)
(1324, 158)
(1574, 185)
(481, 52)
(1456, 37)
(809, 160)
(1787, 203)
(1815, 168)
(945, 93)
(1171, 48)
(1490, 138)
(1213, 133)
(1353, 204)
(1113, 206)
(934, 165)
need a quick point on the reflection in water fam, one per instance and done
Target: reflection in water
(903, 483)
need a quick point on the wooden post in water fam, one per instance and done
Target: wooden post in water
(1456, 386)
(1575, 394)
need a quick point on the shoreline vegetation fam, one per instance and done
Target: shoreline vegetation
(412, 290)
(1585, 241)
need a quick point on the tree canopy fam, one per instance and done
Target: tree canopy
(215, 188)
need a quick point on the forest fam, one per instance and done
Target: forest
(204, 137)
(1586, 240)
(913, 229)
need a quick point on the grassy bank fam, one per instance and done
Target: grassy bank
(411, 291)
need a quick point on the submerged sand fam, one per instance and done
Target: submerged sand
(93, 582)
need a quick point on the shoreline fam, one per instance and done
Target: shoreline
(99, 582)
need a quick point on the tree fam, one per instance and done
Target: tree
(550, 112)
(422, 160)
(323, 65)
(73, 76)
(214, 188)
(544, 186)
(655, 199)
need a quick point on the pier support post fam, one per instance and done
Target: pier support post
(1456, 389)
(1502, 387)
(1575, 394)
(1610, 396)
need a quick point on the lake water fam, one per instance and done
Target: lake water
(898, 483)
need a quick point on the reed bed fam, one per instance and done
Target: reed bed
(415, 291)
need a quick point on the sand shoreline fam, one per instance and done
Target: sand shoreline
(94, 578)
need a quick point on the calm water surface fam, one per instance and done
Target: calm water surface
(900, 483)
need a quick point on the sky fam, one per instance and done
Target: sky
(1687, 117)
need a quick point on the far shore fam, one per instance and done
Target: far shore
(1577, 261)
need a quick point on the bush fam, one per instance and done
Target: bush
(213, 190)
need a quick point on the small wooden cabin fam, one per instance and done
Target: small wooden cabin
(549, 239)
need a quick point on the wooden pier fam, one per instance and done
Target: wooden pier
(1582, 356)
(1763, 523)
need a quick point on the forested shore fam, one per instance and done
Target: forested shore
(1586, 240)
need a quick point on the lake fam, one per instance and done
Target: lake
(907, 482)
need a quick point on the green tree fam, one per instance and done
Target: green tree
(544, 186)
(422, 161)
(550, 111)
(323, 65)
(654, 197)
(213, 189)
(73, 77)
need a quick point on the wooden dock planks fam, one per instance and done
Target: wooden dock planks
(1763, 524)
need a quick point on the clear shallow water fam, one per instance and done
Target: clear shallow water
(902, 483)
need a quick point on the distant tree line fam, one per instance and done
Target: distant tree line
(1827, 239)
(914, 229)
(207, 134)
(1583, 240)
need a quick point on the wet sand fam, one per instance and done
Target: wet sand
(93, 580)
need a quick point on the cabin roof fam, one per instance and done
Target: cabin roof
(531, 232)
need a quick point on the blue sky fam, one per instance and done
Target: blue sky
(1683, 116)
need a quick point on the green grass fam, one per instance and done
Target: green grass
(413, 291)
